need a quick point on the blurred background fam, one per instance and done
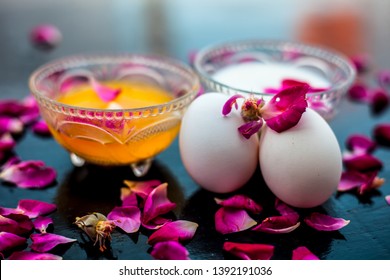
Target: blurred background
(177, 27)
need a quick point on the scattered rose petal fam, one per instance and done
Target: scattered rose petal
(44, 242)
(229, 220)
(240, 201)
(362, 162)
(324, 222)
(287, 83)
(10, 125)
(302, 253)
(97, 227)
(42, 223)
(285, 109)
(363, 182)
(247, 251)
(35, 208)
(380, 100)
(169, 250)
(179, 230)
(33, 256)
(9, 241)
(45, 36)
(387, 198)
(128, 218)
(286, 210)
(384, 78)
(361, 62)
(157, 203)
(7, 143)
(228, 106)
(250, 128)
(360, 144)
(141, 188)
(128, 198)
(41, 128)
(29, 174)
(359, 92)
(382, 134)
(278, 224)
(18, 224)
(351, 180)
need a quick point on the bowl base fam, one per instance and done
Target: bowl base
(139, 168)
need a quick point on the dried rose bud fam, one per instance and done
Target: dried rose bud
(97, 227)
(45, 36)
(250, 109)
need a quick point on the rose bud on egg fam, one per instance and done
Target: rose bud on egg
(302, 166)
(213, 152)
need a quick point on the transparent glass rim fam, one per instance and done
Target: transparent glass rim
(323, 53)
(80, 60)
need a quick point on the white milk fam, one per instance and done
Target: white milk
(254, 76)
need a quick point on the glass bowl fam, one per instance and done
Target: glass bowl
(115, 136)
(258, 66)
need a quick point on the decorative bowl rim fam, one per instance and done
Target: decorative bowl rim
(279, 45)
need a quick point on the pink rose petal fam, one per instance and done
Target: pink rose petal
(361, 62)
(41, 128)
(387, 198)
(44, 242)
(302, 253)
(351, 180)
(157, 203)
(179, 230)
(240, 201)
(9, 241)
(34, 208)
(324, 222)
(362, 162)
(42, 223)
(383, 77)
(250, 128)
(18, 224)
(128, 218)
(380, 100)
(285, 109)
(169, 250)
(29, 174)
(10, 125)
(107, 94)
(246, 251)
(7, 143)
(286, 83)
(128, 198)
(33, 256)
(228, 106)
(382, 134)
(360, 144)
(141, 188)
(229, 220)
(286, 210)
(45, 36)
(156, 223)
(278, 224)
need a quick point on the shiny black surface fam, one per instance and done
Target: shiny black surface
(149, 26)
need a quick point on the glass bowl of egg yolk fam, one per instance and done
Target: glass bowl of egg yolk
(114, 109)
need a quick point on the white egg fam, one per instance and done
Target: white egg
(213, 152)
(301, 166)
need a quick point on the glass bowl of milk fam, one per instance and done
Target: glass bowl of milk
(259, 67)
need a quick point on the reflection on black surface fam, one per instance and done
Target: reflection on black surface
(93, 188)
(208, 243)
